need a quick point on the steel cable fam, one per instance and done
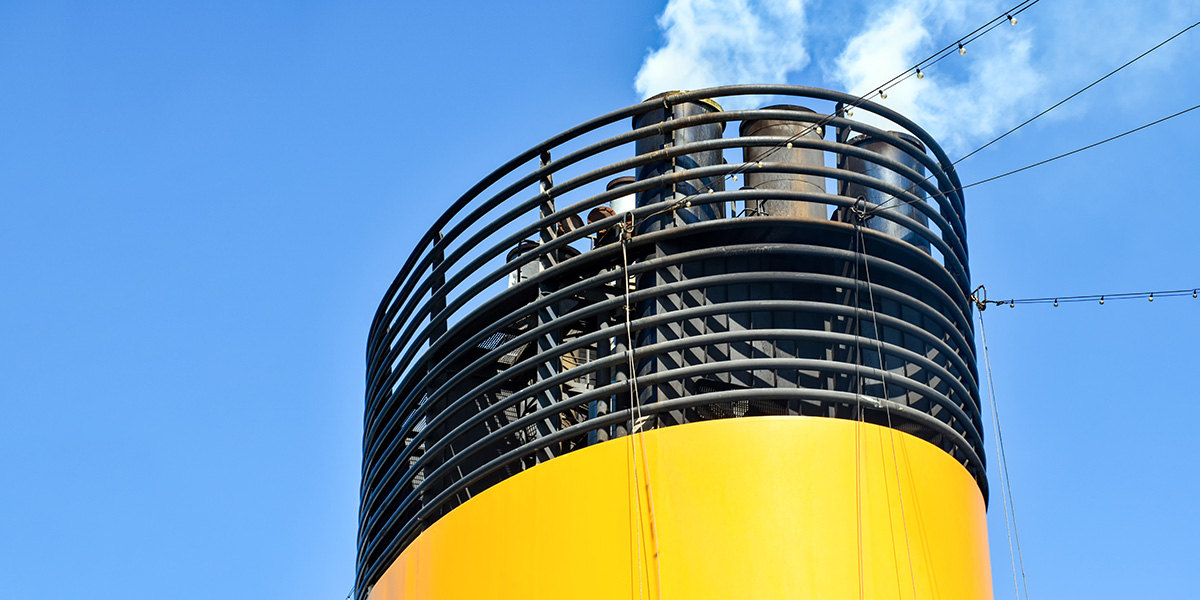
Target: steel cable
(888, 411)
(1005, 479)
(884, 205)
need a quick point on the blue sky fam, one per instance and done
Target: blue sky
(201, 205)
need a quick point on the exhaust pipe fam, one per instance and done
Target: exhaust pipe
(763, 178)
(698, 133)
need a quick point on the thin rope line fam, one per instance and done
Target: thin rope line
(891, 524)
(887, 410)
(641, 419)
(653, 518)
(1003, 467)
(996, 431)
(638, 423)
(891, 530)
(858, 415)
(632, 379)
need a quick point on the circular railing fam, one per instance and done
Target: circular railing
(562, 302)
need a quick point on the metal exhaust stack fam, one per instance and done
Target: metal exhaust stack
(623, 204)
(900, 206)
(527, 270)
(699, 211)
(763, 178)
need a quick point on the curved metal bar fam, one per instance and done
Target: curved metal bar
(549, 169)
(642, 267)
(680, 258)
(759, 276)
(500, 272)
(371, 460)
(958, 252)
(975, 444)
(743, 278)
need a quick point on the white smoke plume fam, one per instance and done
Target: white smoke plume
(1006, 76)
(724, 42)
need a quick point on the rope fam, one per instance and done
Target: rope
(636, 423)
(637, 494)
(858, 413)
(888, 411)
(1005, 481)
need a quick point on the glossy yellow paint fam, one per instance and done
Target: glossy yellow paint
(765, 507)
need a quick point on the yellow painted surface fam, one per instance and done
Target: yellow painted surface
(765, 507)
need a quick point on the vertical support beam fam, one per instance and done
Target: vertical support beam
(843, 134)
(550, 340)
(599, 408)
(622, 400)
(546, 209)
(672, 330)
(437, 296)
(664, 362)
(844, 296)
(437, 303)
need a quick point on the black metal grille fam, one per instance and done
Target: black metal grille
(503, 341)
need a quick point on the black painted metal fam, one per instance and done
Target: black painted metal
(472, 378)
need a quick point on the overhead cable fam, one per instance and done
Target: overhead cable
(1009, 17)
(1005, 479)
(982, 301)
(884, 206)
(1086, 88)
